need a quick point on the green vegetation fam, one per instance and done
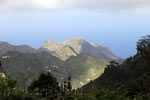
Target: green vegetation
(133, 74)
(127, 81)
(83, 68)
(27, 66)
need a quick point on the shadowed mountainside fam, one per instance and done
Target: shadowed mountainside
(82, 68)
(125, 73)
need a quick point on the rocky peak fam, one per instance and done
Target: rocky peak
(52, 46)
(77, 46)
(75, 41)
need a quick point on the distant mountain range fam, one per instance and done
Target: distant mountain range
(5, 47)
(64, 50)
(81, 60)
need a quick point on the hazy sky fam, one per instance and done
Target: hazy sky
(117, 24)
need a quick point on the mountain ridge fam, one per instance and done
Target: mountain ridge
(6, 47)
(81, 66)
(76, 56)
(79, 45)
(74, 46)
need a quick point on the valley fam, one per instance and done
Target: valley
(75, 58)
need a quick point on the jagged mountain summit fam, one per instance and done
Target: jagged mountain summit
(75, 46)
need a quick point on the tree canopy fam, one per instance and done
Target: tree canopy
(46, 85)
(143, 47)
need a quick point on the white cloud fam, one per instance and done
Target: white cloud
(142, 6)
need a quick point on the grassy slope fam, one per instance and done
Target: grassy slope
(80, 67)
(128, 71)
(29, 64)
(83, 67)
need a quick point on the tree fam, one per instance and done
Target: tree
(111, 94)
(7, 88)
(143, 47)
(46, 85)
(140, 86)
(113, 64)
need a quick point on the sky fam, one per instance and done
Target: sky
(117, 24)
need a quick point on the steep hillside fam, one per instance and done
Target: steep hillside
(128, 71)
(77, 45)
(65, 53)
(29, 64)
(82, 46)
(5, 47)
(83, 68)
(81, 60)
